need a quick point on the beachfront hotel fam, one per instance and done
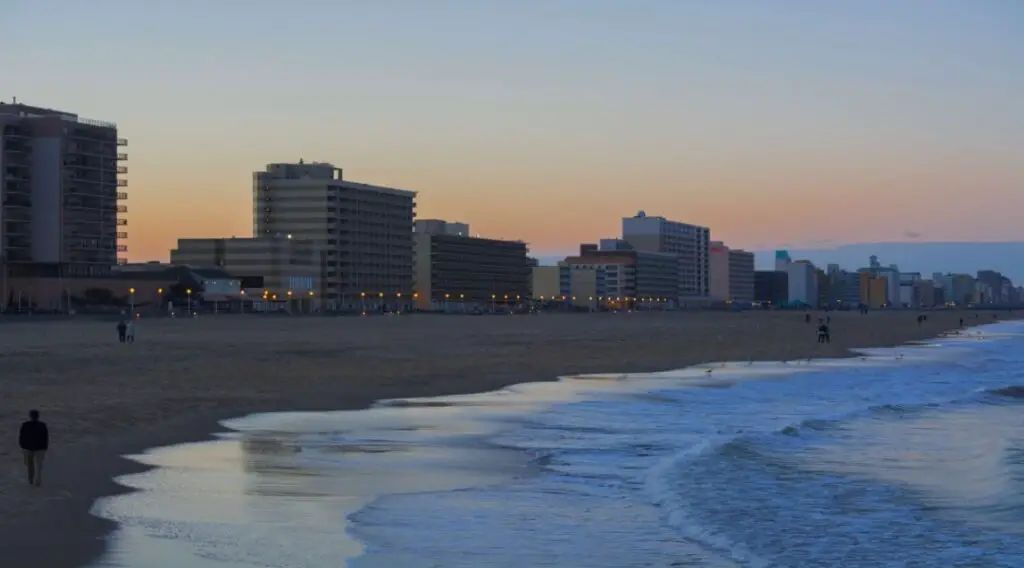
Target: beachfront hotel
(60, 194)
(610, 275)
(689, 243)
(457, 272)
(731, 274)
(364, 231)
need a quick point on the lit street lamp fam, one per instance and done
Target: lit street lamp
(188, 292)
(131, 293)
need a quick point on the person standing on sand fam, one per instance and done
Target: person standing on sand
(130, 332)
(122, 330)
(34, 440)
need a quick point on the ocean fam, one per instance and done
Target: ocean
(909, 456)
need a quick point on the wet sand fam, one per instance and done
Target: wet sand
(103, 399)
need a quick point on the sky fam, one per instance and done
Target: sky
(778, 124)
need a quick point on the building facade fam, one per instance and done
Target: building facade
(280, 265)
(546, 282)
(803, 283)
(364, 231)
(741, 276)
(731, 274)
(689, 243)
(771, 287)
(62, 184)
(623, 277)
(843, 288)
(456, 271)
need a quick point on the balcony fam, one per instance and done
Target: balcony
(122, 141)
(121, 195)
(122, 222)
(122, 248)
(122, 183)
(122, 208)
(121, 235)
(122, 169)
(122, 157)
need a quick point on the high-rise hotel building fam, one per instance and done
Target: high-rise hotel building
(365, 232)
(689, 243)
(60, 193)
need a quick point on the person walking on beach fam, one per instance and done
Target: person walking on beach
(823, 335)
(34, 440)
(130, 332)
(122, 330)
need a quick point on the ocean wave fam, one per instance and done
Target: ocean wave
(1012, 391)
(661, 488)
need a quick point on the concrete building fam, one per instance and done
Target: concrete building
(364, 231)
(624, 277)
(924, 293)
(546, 282)
(874, 290)
(718, 271)
(741, 276)
(999, 288)
(731, 274)
(802, 277)
(957, 289)
(843, 287)
(454, 271)
(59, 196)
(803, 283)
(782, 260)
(771, 287)
(908, 289)
(689, 243)
(277, 265)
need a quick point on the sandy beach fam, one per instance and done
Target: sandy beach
(103, 399)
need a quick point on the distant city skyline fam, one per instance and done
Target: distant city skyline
(800, 125)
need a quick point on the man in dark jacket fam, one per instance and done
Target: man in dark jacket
(34, 440)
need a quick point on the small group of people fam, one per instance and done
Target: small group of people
(824, 333)
(126, 331)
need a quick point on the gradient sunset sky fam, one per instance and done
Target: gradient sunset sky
(797, 124)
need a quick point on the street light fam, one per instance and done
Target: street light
(131, 292)
(188, 292)
(241, 302)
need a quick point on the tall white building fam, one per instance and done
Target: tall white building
(689, 243)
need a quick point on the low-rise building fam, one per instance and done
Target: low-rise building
(624, 277)
(454, 271)
(546, 282)
(284, 266)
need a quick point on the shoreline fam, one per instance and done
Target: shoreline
(82, 536)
